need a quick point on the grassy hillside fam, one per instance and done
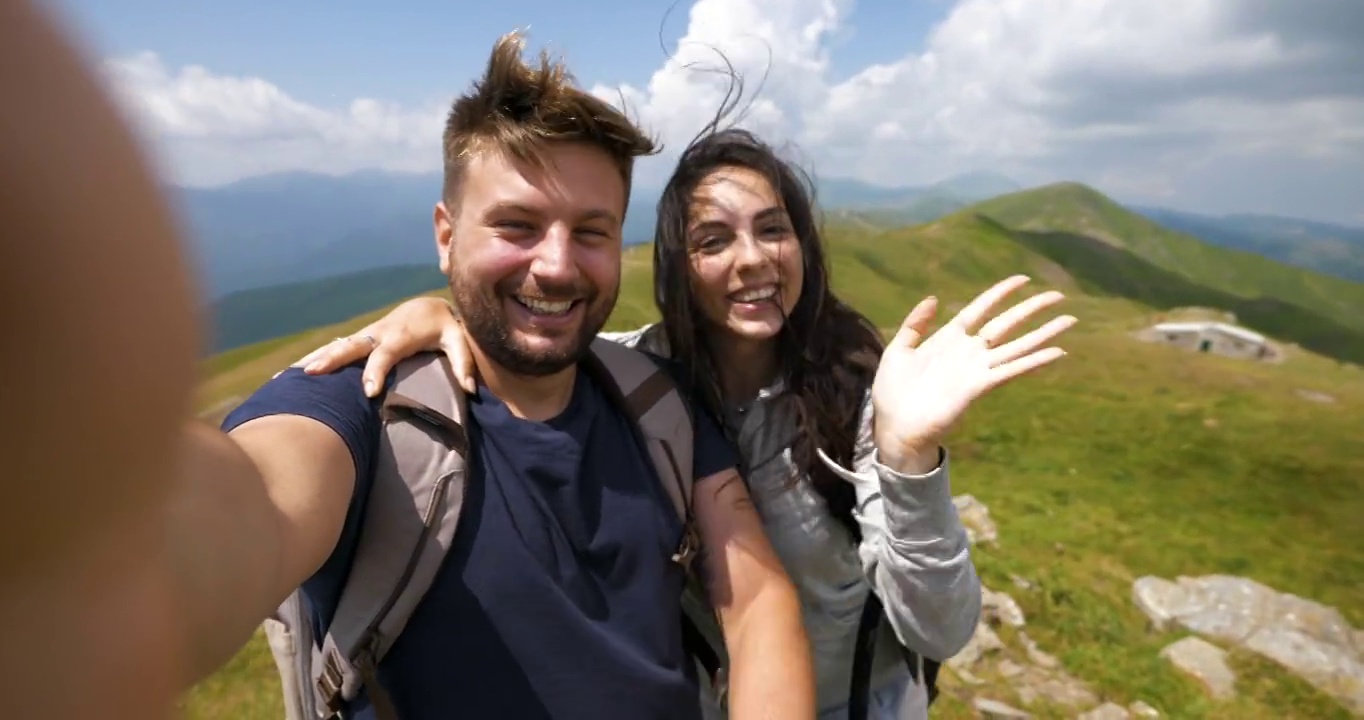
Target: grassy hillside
(250, 316)
(1103, 269)
(1123, 460)
(1083, 212)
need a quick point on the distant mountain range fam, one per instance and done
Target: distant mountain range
(1333, 249)
(295, 227)
(328, 247)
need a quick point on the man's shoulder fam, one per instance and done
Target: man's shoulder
(332, 397)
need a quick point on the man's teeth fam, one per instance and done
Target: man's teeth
(545, 307)
(755, 295)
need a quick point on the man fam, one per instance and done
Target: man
(558, 598)
(141, 555)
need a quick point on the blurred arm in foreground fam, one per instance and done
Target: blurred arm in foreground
(125, 533)
(90, 268)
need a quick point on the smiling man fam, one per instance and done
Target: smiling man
(559, 595)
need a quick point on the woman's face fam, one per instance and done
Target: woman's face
(746, 261)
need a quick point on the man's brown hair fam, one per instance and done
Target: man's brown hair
(516, 109)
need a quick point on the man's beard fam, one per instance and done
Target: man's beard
(485, 319)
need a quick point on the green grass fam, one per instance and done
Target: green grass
(1123, 460)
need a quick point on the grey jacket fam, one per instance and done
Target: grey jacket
(914, 550)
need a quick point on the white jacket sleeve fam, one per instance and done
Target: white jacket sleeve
(914, 550)
(649, 338)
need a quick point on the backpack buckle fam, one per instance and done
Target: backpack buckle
(688, 547)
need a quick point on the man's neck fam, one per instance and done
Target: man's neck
(536, 398)
(745, 368)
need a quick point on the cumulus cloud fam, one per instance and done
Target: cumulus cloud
(1130, 95)
(1052, 85)
(212, 128)
(1163, 99)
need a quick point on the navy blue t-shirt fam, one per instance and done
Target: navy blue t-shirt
(558, 598)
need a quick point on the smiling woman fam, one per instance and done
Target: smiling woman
(746, 258)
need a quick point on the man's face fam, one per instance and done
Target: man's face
(533, 254)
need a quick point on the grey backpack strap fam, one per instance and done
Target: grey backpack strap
(663, 416)
(664, 419)
(409, 524)
(289, 633)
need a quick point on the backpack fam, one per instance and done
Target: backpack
(412, 512)
(868, 626)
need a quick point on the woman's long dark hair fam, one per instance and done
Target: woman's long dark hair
(828, 351)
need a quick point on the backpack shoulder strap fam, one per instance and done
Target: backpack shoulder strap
(410, 518)
(653, 401)
(664, 419)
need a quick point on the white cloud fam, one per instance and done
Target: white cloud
(1039, 82)
(212, 128)
(1125, 94)
(779, 49)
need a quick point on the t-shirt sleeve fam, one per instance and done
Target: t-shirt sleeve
(338, 401)
(712, 451)
(334, 399)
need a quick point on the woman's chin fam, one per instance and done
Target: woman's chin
(755, 330)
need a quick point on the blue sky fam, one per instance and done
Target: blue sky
(1206, 105)
(328, 52)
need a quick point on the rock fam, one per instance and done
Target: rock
(1309, 639)
(1020, 582)
(983, 642)
(1226, 608)
(1205, 662)
(1140, 709)
(1035, 654)
(975, 516)
(998, 607)
(995, 709)
(1161, 601)
(1316, 397)
(966, 676)
(1008, 669)
(1055, 687)
(1329, 667)
(1106, 711)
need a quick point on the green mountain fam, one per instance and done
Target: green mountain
(1082, 212)
(876, 206)
(250, 316)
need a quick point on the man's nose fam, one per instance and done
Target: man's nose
(554, 256)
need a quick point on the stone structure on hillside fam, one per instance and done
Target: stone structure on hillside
(1213, 337)
(1309, 639)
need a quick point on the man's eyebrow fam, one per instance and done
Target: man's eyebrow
(516, 208)
(599, 214)
(512, 208)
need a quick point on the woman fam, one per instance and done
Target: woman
(741, 282)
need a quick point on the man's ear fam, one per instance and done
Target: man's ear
(444, 224)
